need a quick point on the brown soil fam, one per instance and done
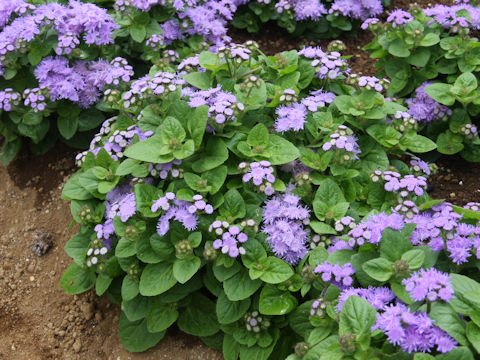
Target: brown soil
(456, 181)
(38, 321)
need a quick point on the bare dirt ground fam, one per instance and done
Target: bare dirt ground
(38, 321)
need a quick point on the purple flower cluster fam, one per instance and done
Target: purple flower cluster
(369, 23)
(345, 223)
(420, 166)
(368, 82)
(424, 109)
(35, 98)
(430, 284)
(9, 99)
(161, 84)
(406, 185)
(328, 65)
(156, 41)
(10, 7)
(370, 230)
(399, 17)
(283, 222)
(302, 9)
(83, 82)
(238, 53)
(447, 15)
(119, 202)
(291, 117)
(223, 106)
(231, 240)
(357, 9)
(189, 64)
(378, 297)
(413, 332)
(182, 211)
(116, 142)
(318, 99)
(164, 170)
(260, 174)
(339, 275)
(343, 140)
(407, 208)
(76, 21)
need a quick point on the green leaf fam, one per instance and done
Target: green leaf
(184, 269)
(357, 316)
(467, 82)
(421, 144)
(230, 311)
(208, 60)
(152, 150)
(329, 202)
(197, 123)
(276, 302)
(129, 288)
(200, 80)
(398, 48)
(441, 93)
(395, 243)
(380, 269)
(214, 155)
(282, 151)
(448, 320)
(156, 279)
(102, 284)
(138, 32)
(33, 118)
(258, 136)
(430, 39)
(473, 335)
(199, 317)
(414, 258)
(275, 270)
(67, 126)
(240, 286)
(422, 356)
(322, 228)
(125, 248)
(90, 119)
(78, 245)
(161, 317)
(134, 335)
(449, 143)
(233, 206)
(77, 279)
(172, 129)
(457, 353)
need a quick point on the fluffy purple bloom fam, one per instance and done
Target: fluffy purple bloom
(341, 140)
(283, 219)
(370, 229)
(120, 202)
(338, 244)
(230, 241)
(357, 9)
(339, 275)
(378, 297)
(318, 99)
(447, 15)
(308, 9)
(9, 99)
(399, 17)
(430, 285)
(424, 109)
(418, 165)
(368, 22)
(290, 117)
(413, 332)
(10, 7)
(260, 174)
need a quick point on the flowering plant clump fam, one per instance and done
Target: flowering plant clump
(256, 201)
(430, 56)
(313, 18)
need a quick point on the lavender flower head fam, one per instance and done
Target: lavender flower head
(378, 297)
(283, 222)
(339, 275)
(420, 166)
(370, 230)
(424, 109)
(231, 238)
(430, 284)
(290, 117)
(357, 9)
(344, 143)
(399, 17)
(260, 174)
(318, 99)
(413, 332)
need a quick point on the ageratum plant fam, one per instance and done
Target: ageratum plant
(201, 201)
(431, 57)
(312, 18)
(58, 58)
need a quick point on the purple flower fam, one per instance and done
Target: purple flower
(413, 332)
(371, 21)
(418, 165)
(339, 275)
(424, 109)
(290, 117)
(399, 17)
(447, 15)
(231, 238)
(308, 9)
(429, 284)
(378, 297)
(283, 219)
(370, 229)
(342, 140)
(260, 174)
(357, 9)
(318, 99)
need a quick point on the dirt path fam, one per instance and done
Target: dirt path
(37, 319)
